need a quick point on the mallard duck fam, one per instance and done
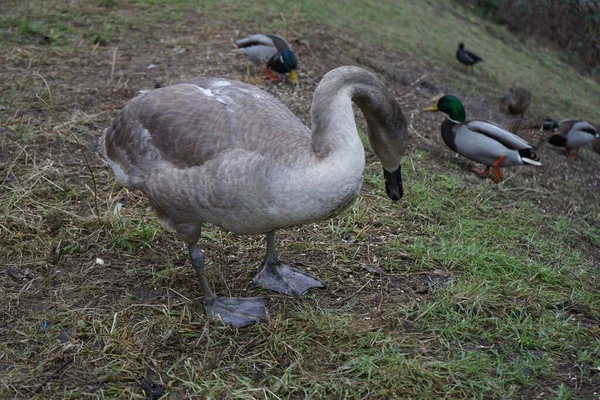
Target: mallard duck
(516, 101)
(481, 141)
(548, 124)
(534, 131)
(466, 57)
(573, 134)
(271, 52)
(213, 150)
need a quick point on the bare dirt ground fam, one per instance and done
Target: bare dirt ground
(50, 251)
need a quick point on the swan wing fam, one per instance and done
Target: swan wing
(193, 121)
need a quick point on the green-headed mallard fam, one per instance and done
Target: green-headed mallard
(466, 57)
(271, 52)
(573, 134)
(516, 101)
(534, 131)
(482, 141)
(213, 150)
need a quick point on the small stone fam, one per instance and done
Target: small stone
(374, 269)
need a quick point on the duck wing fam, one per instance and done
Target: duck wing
(473, 57)
(568, 125)
(280, 43)
(260, 48)
(275, 41)
(565, 125)
(498, 133)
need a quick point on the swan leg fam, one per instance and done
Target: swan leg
(235, 311)
(282, 278)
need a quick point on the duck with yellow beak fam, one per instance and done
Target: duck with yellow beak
(482, 141)
(272, 53)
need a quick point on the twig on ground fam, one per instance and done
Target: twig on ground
(413, 130)
(412, 85)
(54, 375)
(81, 147)
(114, 61)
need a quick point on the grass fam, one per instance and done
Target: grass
(428, 33)
(425, 32)
(518, 310)
(464, 289)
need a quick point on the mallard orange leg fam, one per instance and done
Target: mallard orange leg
(272, 77)
(481, 172)
(573, 155)
(498, 175)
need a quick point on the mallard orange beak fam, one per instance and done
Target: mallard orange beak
(294, 76)
(432, 108)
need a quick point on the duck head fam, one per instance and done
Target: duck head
(290, 62)
(548, 124)
(451, 106)
(285, 62)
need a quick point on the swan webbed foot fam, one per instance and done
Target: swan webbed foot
(284, 279)
(237, 311)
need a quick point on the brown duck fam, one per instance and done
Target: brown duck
(516, 101)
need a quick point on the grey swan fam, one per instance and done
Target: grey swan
(214, 150)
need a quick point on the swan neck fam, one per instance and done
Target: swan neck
(333, 125)
(332, 121)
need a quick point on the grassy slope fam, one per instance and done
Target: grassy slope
(429, 31)
(516, 311)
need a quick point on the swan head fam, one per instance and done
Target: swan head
(388, 139)
(390, 153)
(393, 183)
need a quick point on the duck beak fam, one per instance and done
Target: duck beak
(294, 76)
(393, 183)
(432, 108)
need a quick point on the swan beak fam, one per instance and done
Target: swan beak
(294, 76)
(393, 183)
(432, 108)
